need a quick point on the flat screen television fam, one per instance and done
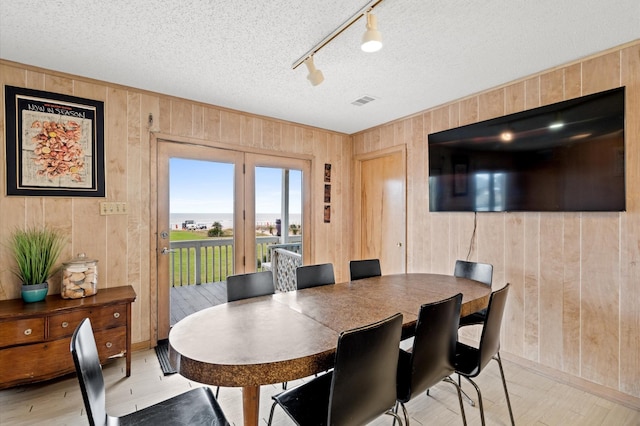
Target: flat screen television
(567, 157)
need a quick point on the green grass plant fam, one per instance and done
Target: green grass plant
(35, 251)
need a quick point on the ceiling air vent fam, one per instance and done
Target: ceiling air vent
(363, 100)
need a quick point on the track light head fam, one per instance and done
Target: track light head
(372, 38)
(315, 76)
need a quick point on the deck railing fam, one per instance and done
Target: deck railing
(211, 260)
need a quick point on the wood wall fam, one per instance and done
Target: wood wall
(122, 243)
(574, 303)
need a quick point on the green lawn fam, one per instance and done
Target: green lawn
(216, 264)
(180, 235)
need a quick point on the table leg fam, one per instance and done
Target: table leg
(250, 405)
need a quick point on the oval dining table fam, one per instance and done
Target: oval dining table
(287, 336)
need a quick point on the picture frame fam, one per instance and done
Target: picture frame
(54, 144)
(327, 172)
(327, 193)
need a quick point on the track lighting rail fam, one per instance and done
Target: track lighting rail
(346, 24)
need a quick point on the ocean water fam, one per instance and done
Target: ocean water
(226, 219)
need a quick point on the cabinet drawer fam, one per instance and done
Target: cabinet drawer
(38, 361)
(41, 361)
(105, 317)
(21, 331)
(111, 342)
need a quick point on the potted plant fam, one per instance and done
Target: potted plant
(35, 251)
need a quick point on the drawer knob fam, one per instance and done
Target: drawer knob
(116, 314)
(27, 332)
(108, 345)
(65, 324)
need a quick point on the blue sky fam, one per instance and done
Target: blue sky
(207, 187)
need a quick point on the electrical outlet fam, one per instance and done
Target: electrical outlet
(109, 208)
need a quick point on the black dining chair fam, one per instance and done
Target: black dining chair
(470, 361)
(361, 386)
(195, 407)
(430, 359)
(481, 272)
(366, 268)
(254, 284)
(314, 275)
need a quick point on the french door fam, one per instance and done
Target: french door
(243, 169)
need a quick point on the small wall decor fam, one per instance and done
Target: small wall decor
(55, 144)
(327, 214)
(327, 193)
(327, 172)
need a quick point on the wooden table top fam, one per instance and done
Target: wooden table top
(286, 336)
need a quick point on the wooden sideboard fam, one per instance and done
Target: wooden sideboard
(35, 337)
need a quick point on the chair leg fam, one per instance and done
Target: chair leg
(273, 407)
(217, 391)
(404, 413)
(450, 380)
(504, 384)
(464, 394)
(479, 399)
(395, 410)
(395, 416)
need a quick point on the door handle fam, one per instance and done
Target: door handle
(166, 250)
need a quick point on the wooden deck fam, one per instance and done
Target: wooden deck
(186, 300)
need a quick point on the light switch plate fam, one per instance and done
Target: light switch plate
(109, 208)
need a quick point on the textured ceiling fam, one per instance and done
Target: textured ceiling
(238, 54)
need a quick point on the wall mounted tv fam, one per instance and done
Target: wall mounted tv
(567, 156)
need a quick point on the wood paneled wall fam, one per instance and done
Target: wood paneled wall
(574, 304)
(122, 243)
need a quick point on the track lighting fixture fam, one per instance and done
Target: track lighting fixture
(315, 76)
(371, 39)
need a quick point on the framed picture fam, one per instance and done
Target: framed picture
(327, 193)
(327, 172)
(55, 144)
(327, 213)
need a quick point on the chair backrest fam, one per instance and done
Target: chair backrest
(85, 357)
(434, 346)
(314, 275)
(360, 269)
(364, 376)
(482, 272)
(244, 286)
(490, 338)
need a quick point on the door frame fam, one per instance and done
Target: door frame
(357, 196)
(253, 160)
(179, 142)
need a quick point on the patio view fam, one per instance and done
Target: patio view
(202, 244)
(200, 267)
